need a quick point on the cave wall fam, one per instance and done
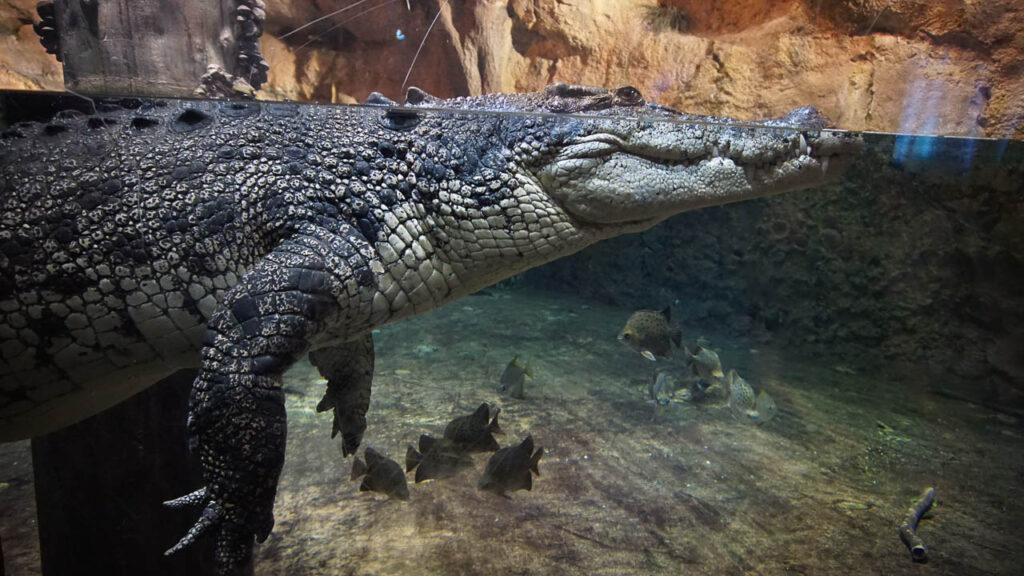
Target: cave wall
(951, 67)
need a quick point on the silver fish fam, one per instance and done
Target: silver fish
(513, 377)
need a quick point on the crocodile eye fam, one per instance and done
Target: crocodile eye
(628, 94)
(400, 120)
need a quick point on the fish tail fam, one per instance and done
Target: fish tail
(358, 469)
(493, 427)
(536, 459)
(412, 458)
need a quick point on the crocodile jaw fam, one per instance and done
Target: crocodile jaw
(634, 173)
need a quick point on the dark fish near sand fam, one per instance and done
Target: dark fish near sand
(509, 469)
(473, 432)
(651, 333)
(382, 474)
(435, 459)
(705, 363)
(513, 377)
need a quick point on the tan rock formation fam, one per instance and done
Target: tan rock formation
(950, 67)
(24, 65)
(941, 68)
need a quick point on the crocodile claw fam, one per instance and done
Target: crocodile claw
(211, 517)
(190, 499)
(234, 534)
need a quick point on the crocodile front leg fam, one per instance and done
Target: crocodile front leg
(237, 415)
(348, 369)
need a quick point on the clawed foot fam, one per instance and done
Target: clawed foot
(234, 534)
(348, 369)
(350, 425)
(239, 436)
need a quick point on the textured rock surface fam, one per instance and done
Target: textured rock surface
(24, 64)
(950, 67)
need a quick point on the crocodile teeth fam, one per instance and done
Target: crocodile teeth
(824, 165)
(804, 148)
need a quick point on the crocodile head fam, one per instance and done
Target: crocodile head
(599, 162)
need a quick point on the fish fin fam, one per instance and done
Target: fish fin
(412, 458)
(358, 469)
(365, 486)
(667, 313)
(730, 376)
(527, 444)
(677, 337)
(493, 427)
(490, 445)
(427, 443)
(648, 354)
(717, 373)
(421, 474)
(482, 412)
(372, 457)
(526, 370)
(536, 459)
(528, 482)
(427, 470)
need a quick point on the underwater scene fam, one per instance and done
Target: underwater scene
(642, 287)
(682, 400)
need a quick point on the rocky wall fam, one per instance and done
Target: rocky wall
(951, 67)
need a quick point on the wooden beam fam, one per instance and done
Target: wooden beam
(100, 485)
(156, 47)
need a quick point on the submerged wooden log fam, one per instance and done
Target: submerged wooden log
(154, 47)
(100, 484)
(908, 530)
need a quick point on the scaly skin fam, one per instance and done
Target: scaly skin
(242, 235)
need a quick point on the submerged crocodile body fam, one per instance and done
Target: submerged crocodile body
(238, 236)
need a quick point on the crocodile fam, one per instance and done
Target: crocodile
(142, 236)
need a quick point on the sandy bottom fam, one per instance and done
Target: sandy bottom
(627, 487)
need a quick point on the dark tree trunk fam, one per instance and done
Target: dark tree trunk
(100, 484)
